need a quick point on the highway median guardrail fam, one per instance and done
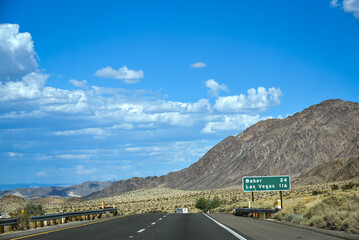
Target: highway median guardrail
(54, 219)
(256, 212)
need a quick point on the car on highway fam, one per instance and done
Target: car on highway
(181, 210)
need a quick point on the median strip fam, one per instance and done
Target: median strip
(226, 228)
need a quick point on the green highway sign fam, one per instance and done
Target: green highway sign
(266, 183)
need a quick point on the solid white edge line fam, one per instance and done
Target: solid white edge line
(227, 228)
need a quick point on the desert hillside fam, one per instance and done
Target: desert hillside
(291, 146)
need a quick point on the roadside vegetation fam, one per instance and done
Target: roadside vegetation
(331, 205)
(23, 215)
(206, 204)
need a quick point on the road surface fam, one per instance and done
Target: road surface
(174, 227)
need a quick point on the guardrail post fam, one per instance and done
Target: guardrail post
(2, 230)
(41, 223)
(34, 224)
(10, 228)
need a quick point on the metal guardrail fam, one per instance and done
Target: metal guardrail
(256, 212)
(60, 217)
(8, 221)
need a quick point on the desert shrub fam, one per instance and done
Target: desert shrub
(348, 186)
(293, 218)
(334, 187)
(317, 192)
(351, 224)
(215, 203)
(318, 209)
(335, 220)
(23, 216)
(336, 212)
(317, 221)
(203, 204)
(308, 199)
(23, 220)
(108, 214)
(34, 209)
(299, 207)
(280, 215)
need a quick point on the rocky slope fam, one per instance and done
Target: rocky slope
(290, 146)
(337, 170)
(78, 190)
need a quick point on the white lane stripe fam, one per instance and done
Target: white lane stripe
(160, 219)
(153, 223)
(141, 230)
(227, 228)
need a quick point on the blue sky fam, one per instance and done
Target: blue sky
(109, 90)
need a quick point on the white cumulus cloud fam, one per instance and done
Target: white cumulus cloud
(350, 6)
(125, 74)
(198, 65)
(215, 88)
(31, 87)
(17, 54)
(256, 100)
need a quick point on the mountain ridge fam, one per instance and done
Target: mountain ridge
(290, 146)
(77, 190)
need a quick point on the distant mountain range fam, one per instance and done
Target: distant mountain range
(78, 190)
(291, 146)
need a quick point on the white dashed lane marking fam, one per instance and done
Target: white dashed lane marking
(153, 223)
(141, 230)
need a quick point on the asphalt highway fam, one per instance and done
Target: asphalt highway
(173, 227)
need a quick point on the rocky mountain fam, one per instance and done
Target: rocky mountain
(78, 190)
(290, 146)
(337, 170)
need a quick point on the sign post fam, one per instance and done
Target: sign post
(265, 184)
